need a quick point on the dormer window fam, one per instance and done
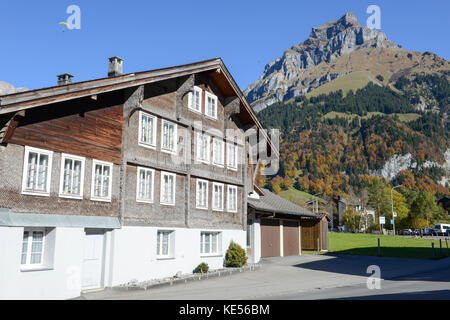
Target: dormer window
(211, 105)
(195, 100)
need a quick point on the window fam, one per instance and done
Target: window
(209, 243)
(101, 181)
(33, 248)
(202, 194)
(217, 197)
(147, 130)
(231, 156)
(195, 100)
(72, 177)
(232, 199)
(169, 137)
(145, 184)
(37, 172)
(203, 147)
(211, 105)
(168, 181)
(218, 146)
(163, 244)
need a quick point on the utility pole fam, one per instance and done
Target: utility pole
(392, 200)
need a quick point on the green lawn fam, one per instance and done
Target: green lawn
(401, 247)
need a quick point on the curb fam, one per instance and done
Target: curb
(194, 277)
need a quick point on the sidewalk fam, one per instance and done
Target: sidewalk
(287, 275)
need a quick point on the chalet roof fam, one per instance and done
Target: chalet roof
(35, 98)
(270, 202)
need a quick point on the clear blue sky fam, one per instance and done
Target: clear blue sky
(150, 34)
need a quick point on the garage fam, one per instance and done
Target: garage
(291, 238)
(270, 238)
(278, 222)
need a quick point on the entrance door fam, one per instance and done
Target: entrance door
(93, 259)
(270, 238)
(291, 240)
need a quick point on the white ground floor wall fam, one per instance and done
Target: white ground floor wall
(125, 254)
(57, 279)
(135, 254)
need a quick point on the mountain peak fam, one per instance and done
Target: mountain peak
(332, 28)
(297, 72)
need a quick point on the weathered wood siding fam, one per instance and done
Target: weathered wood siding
(84, 127)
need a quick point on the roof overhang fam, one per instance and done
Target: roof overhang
(36, 98)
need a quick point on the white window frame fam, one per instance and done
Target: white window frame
(229, 165)
(102, 163)
(222, 160)
(163, 174)
(199, 148)
(212, 96)
(221, 185)
(65, 156)
(151, 144)
(138, 184)
(175, 137)
(229, 209)
(190, 99)
(159, 248)
(28, 264)
(25, 172)
(211, 234)
(198, 206)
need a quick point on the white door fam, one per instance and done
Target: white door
(93, 260)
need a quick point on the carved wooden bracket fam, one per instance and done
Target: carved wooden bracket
(7, 129)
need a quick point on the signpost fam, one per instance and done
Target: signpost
(382, 222)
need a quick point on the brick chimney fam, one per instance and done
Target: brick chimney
(64, 79)
(115, 67)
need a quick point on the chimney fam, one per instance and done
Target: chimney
(64, 79)
(115, 67)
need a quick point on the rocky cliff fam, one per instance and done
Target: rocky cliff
(332, 51)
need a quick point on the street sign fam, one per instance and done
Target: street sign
(395, 214)
(392, 221)
(382, 220)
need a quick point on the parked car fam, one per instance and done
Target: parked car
(416, 232)
(427, 231)
(406, 232)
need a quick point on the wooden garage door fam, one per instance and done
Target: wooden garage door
(310, 234)
(270, 238)
(291, 239)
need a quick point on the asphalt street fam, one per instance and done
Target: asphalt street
(310, 277)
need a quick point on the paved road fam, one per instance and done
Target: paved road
(309, 277)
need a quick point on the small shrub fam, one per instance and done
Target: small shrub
(380, 77)
(236, 256)
(202, 268)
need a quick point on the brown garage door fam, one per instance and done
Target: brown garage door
(291, 246)
(270, 238)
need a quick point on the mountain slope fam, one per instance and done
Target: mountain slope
(335, 143)
(337, 49)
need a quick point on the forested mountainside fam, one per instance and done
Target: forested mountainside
(335, 143)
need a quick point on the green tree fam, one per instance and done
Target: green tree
(379, 199)
(402, 221)
(425, 207)
(351, 218)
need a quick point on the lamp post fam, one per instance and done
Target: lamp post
(392, 200)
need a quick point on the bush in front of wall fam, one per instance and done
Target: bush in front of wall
(202, 268)
(236, 256)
